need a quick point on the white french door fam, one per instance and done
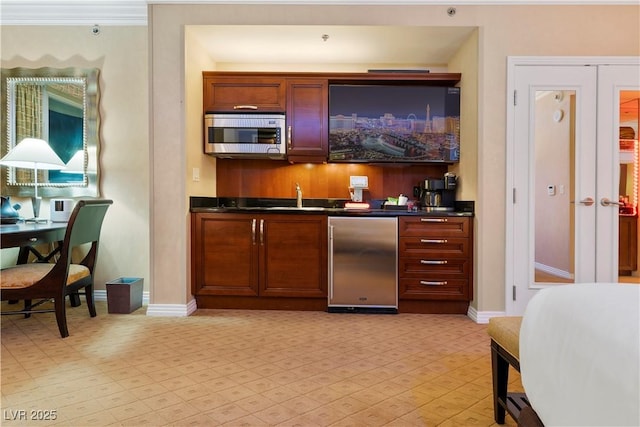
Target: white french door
(563, 166)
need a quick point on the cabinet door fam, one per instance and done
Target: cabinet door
(224, 255)
(249, 94)
(628, 244)
(307, 119)
(293, 260)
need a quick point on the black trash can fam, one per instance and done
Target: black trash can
(124, 295)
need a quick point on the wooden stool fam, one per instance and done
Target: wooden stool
(505, 351)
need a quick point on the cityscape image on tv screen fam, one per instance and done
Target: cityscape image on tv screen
(381, 123)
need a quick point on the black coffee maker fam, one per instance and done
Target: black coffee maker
(438, 194)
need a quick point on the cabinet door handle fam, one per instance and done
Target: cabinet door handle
(253, 231)
(433, 262)
(245, 107)
(262, 232)
(433, 240)
(289, 137)
(330, 263)
(426, 283)
(433, 219)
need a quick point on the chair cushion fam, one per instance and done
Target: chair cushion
(505, 331)
(25, 275)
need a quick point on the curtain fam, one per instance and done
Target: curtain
(29, 121)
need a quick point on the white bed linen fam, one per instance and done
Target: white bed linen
(580, 355)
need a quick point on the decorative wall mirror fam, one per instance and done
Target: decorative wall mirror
(61, 107)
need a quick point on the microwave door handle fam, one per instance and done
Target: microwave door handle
(245, 107)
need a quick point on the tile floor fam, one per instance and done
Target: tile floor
(247, 368)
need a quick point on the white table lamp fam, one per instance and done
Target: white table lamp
(33, 153)
(75, 164)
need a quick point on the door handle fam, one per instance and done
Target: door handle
(289, 138)
(587, 201)
(606, 202)
(262, 232)
(253, 231)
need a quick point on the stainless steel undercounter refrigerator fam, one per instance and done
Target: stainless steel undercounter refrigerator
(363, 264)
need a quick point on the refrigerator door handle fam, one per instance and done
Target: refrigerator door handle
(330, 263)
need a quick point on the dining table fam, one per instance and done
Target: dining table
(28, 235)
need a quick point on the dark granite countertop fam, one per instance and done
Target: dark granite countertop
(332, 207)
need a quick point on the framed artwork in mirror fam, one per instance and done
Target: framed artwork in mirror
(60, 106)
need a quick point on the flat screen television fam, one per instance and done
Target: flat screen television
(394, 123)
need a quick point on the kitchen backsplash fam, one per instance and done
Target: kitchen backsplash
(259, 178)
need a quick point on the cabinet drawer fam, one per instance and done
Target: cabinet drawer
(434, 226)
(433, 269)
(430, 247)
(433, 289)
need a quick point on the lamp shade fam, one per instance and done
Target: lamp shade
(33, 153)
(75, 164)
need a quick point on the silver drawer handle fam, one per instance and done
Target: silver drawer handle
(424, 282)
(253, 231)
(433, 240)
(433, 219)
(429, 262)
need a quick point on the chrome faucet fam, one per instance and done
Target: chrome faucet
(298, 196)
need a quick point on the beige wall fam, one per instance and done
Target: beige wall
(121, 54)
(502, 31)
(146, 156)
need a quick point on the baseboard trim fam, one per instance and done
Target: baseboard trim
(101, 295)
(553, 271)
(482, 317)
(158, 310)
(182, 310)
(172, 310)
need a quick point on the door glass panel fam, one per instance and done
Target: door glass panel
(628, 194)
(554, 186)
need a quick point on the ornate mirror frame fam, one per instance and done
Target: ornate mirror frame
(75, 91)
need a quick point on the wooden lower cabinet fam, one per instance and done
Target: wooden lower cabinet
(435, 264)
(279, 261)
(265, 261)
(627, 244)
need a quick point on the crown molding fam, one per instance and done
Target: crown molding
(73, 12)
(134, 12)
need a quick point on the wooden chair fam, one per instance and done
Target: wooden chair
(47, 281)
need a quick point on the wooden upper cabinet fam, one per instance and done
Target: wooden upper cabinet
(244, 94)
(307, 120)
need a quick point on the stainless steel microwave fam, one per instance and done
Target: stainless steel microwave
(242, 135)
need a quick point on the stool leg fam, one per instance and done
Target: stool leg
(500, 373)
